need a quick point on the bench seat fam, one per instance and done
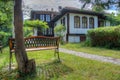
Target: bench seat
(37, 49)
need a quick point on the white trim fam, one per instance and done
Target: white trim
(88, 26)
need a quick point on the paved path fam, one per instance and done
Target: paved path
(92, 56)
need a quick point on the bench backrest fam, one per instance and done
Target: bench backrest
(36, 42)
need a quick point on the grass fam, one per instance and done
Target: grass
(70, 68)
(92, 50)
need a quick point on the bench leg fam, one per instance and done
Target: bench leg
(1, 50)
(58, 56)
(57, 52)
(10, 61)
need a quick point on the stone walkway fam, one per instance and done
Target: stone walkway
(92, 56)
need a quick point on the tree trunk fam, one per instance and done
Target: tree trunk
(20, 52)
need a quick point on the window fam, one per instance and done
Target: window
(64, 21)
(34, 16)
(44, 31)
(50, 31)
(84, 22)
(77, 22)
(48, 18)
(37, 16)
(61, 21)
(42, 17)
(91, 22)
(101, 23)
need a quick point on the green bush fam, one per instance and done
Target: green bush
(105, 36)
(29, 26)
(36, 24)
(4, 37)
(60, 32)
(28, 31)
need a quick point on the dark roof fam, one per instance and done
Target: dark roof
(78, 11)
(43, 12)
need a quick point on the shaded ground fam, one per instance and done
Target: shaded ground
(45, 71)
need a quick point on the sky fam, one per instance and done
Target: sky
(49, 4)
(113, 9)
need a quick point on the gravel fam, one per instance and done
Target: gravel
(92, 56)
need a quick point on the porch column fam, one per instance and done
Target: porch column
(87, 22)
(81, 22)
(95, 22)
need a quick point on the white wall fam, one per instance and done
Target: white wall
(78, 30)
(73, 38)
(59, 22)
(81, 30)
(107, 23)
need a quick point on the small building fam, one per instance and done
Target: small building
(78, 22)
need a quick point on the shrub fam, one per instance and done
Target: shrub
(36, 24)
(28, 31)
(105, 36)
(29, 25)
(4, 37)
(60, 32)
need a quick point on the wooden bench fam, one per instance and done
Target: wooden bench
(0, 46)
(36, 43)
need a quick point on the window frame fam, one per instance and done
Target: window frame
(63, 21)
(84, 22)
(48, 18)
(42, 17)
(76, 21)
(91, 22)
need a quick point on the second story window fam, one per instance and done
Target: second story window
(42, 17)
(77, 22)
(37, 16)
(84, 22)
(91, 22)
(48, 18)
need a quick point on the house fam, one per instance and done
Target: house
(78, 22)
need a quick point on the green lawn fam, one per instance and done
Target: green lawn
(92, 50)
(70, 68)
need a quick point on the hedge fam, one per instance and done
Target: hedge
(105, 36)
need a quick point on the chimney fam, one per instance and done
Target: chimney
(59, 8)
(52, 9)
